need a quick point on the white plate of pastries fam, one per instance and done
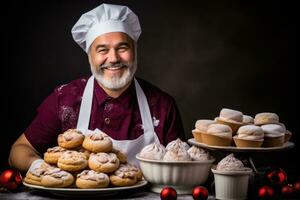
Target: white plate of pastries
(233, 130)
(84, 165)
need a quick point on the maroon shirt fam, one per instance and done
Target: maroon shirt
(118, 117)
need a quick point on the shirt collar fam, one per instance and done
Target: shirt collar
(124, 99)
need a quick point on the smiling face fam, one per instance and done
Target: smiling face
(112, 60)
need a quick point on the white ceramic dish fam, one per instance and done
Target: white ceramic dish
(77, 192)
(231, 185)
(181, 175)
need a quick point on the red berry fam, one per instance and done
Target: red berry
(265, 192)
(168, 193)
(200, 193)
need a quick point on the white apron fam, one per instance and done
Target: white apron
(130, 147)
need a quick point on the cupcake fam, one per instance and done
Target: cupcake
(232, 118)
(266, 118)
(231, 178)
(201, 127)
(218, 135)
(154, 151)
(248, 120)
(249, 136)
(274, 135)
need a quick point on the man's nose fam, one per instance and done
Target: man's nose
(113, 56)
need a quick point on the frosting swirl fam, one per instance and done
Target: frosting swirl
(154, 151)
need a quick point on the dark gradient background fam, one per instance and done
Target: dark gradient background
(207, 55)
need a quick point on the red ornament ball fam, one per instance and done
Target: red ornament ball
(200, 193)
(277, 176)
(287, 190)
(297, 187)
(265, 192)
(168, 193)
(10, 179)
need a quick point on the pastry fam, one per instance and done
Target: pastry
(70, 139)
(198, 154)
(104, 162)
(178, 143)
(124, 176)
(249, 136)
(218, 135)
(274, 135)
(135, 169)
(52, 154)
(34, 177)
(91, 179)
(248, 120)
(120, 155)
(72, 161)
(154, 151)
(97, 142)
(266, 118)
(177, 154)
(201, 127)
(57, 178)
(232, 118)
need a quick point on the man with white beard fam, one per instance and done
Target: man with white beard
(131, 111)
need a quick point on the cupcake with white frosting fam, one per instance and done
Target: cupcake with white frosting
(248, 120)
(218, 135)
(249, 136)
(274, 135)
(201, 126)
(232, 118)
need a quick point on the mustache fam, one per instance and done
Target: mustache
(114, 65)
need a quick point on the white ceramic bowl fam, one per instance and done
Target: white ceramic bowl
(181, 175)
(231, 185)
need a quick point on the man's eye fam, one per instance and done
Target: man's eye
(122, 49)
(102, 50)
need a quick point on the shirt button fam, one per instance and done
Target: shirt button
(107, 120)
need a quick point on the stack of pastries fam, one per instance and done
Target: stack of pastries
(84, 162)
(233, 128)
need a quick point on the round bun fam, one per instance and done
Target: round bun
(70, 139)
(104, 162)
(124, 176)
(57, 178)
(91, 179)
(52, 154)
(266, 118)
(97, 142)
(72, 161)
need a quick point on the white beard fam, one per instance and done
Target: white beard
(116, 82)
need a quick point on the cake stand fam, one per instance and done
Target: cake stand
(234, 149)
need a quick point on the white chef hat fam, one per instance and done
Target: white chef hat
(105, 18)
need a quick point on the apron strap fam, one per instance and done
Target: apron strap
(86, 106)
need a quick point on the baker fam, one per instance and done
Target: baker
(133, 112)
